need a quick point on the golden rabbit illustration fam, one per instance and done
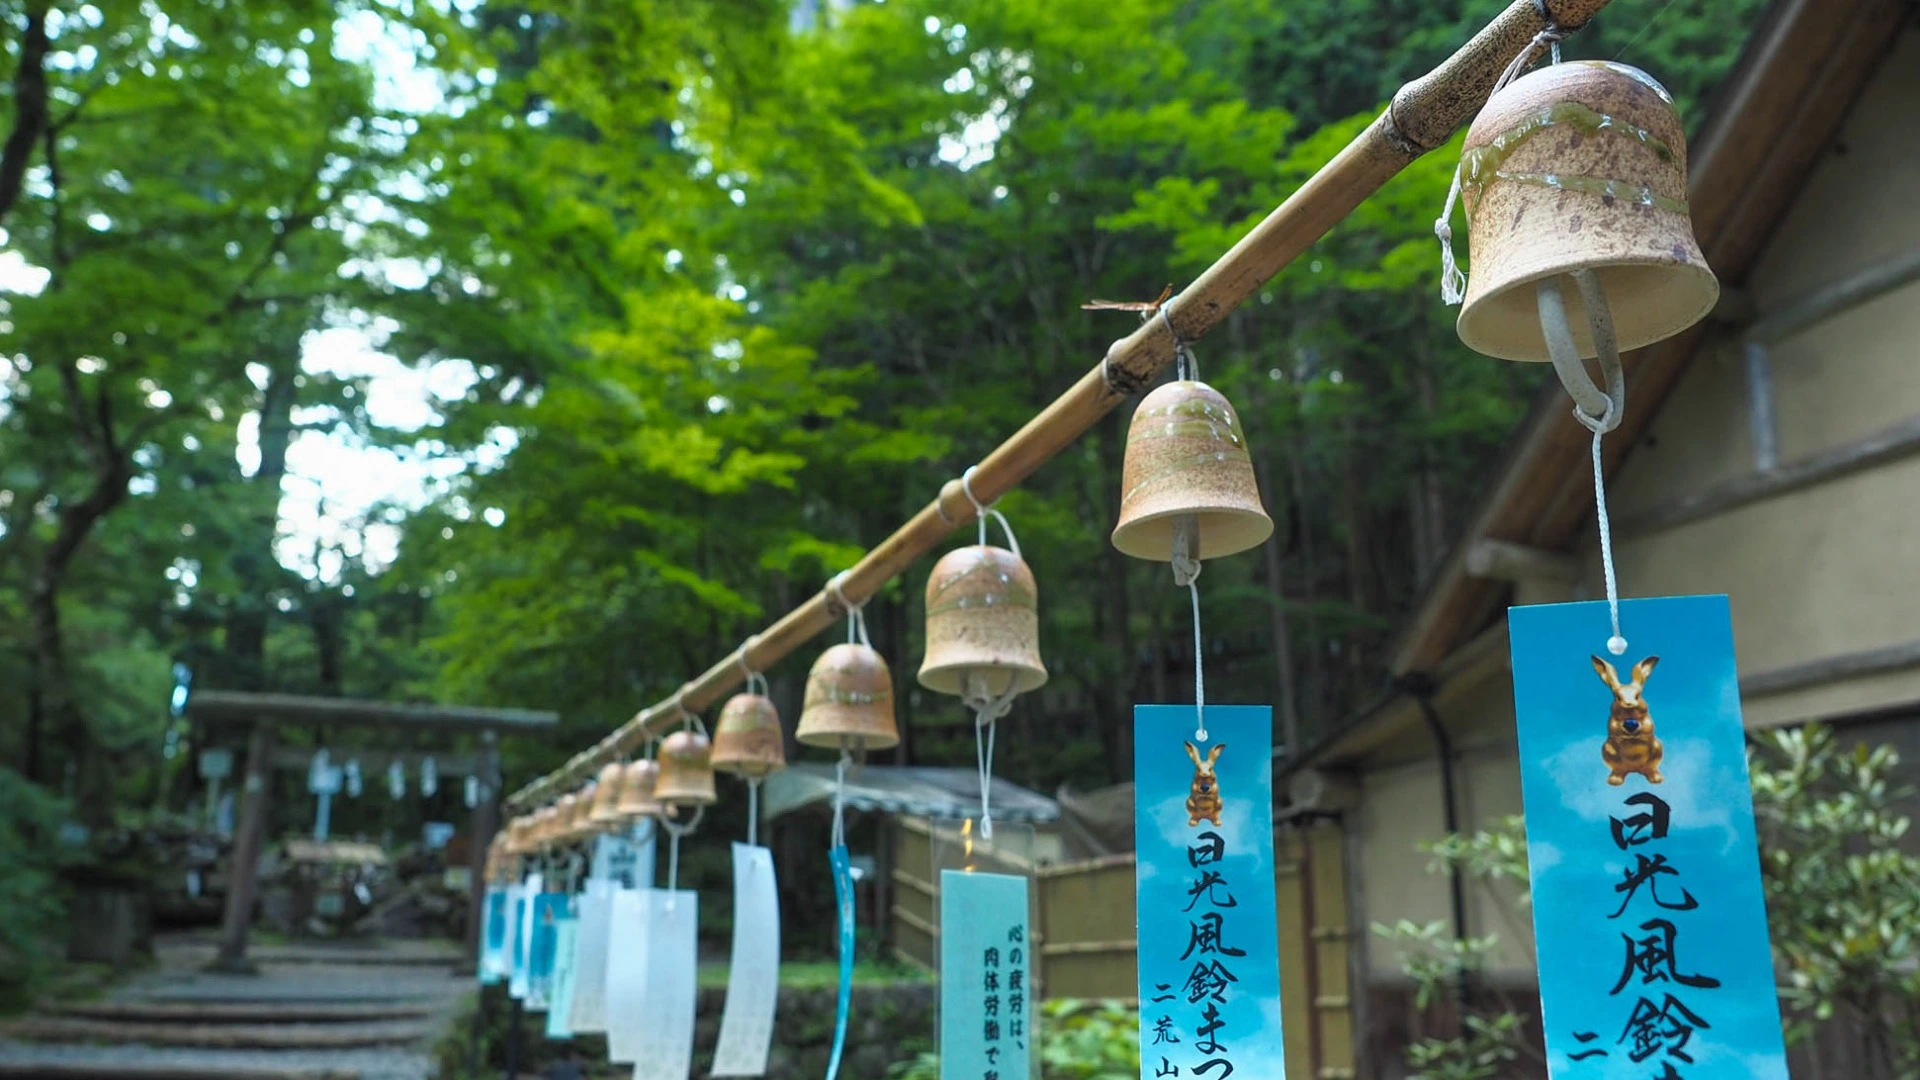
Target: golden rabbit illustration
(1203, 796)
(1631, 746)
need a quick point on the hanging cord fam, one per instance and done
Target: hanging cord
(1186, 571)
(1186, 543)
(1453, 280)
(987, 707)
(982, 510)
(856, 617)
(1599, 411)
(1186, 366)
(753, 811)
(756, 683)
(674, 833)
(839, 837)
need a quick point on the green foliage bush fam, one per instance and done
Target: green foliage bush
(1843, 907)
(32, 912)
(1079, 1040)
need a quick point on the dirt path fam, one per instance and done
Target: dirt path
(370, 1011)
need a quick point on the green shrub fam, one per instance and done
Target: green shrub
(31, 933)
(1079, 1040)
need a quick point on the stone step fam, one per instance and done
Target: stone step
(240, 1012)
(56, 1029)
(124, 1070)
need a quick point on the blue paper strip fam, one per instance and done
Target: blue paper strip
(493, 961)
(985, 1016)
(843, 899)
(548, 909)
(1208, 934)
(560, 1001)
(1648, 913)
(518, 934)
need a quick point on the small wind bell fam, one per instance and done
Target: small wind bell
(605, 812)
(748, 741)
(1188, 490)
(983, 635)
(849, 699)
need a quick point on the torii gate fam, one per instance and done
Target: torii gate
(263, 713)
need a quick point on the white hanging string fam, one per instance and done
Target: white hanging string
(674, 832)
(756, 683)
(1453, 280)
(1597, 410)
(982, 510)
(856, 617)
(839, 838)
(753, 811)
(1186, 571)
(1186, 366)
(987, 708)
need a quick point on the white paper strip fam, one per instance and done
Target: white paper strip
(665, 1028)
(627, 940)
(519, 985)
(589, 1013)
(753, 978)
(560, 999)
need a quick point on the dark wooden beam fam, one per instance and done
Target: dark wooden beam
(233, 706)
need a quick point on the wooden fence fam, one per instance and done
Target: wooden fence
(1082, 916)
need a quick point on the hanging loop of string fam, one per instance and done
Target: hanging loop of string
(1453, 280)
(1597, 410)
(756, 683)
(1186, 366)
(987, 708)
(856, 618)
(982, 510)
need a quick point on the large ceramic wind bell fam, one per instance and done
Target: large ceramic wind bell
(748, 742)
(1202, 775)
(848, 707)
(983, 635)
(1575, 184)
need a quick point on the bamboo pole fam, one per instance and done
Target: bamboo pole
(1423, 115)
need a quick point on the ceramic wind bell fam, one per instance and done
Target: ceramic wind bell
(748, 742)
(1203, 776)
(684, 788)
(631, 922)
(848, 707)
(983, 646)
(1648, 909)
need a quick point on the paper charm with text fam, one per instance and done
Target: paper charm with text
(1208, 934)
(1648, 913)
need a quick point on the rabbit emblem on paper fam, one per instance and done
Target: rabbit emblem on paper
(1631, 746)
(1203, 795)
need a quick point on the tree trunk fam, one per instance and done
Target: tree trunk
(1316, 688)
(254, 562)
(52, 682)
(29, 106)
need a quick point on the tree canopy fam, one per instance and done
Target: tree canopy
(725, 290)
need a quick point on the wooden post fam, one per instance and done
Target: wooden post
(486, 819)
(241, 881)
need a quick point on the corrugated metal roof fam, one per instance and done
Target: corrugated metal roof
(907, 790)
